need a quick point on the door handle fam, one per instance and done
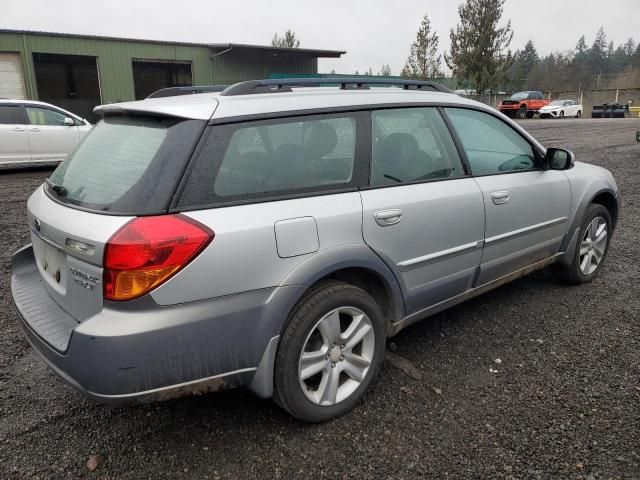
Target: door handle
(18, 129)
(34, 129)
(500, 197)
(386, 218)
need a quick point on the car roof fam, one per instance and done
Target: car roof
(205, 106)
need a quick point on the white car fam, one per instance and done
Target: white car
(37, 132)
(561, 109)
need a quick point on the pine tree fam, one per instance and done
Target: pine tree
(423, 62)
(288, 40)
(581, 46)
(479, 45)
(629, 47)
(385, 71)
(524, 61)
(597, 54)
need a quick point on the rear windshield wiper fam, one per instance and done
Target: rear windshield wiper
(59, 189)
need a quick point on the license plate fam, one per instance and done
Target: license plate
(51, 261)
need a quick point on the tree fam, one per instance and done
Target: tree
(423, 62)
(579, 66)
(479, 45)
(629, 47)
(581, 46)
(597, 54)
(524, 61)
(288, 40)
(385, 71)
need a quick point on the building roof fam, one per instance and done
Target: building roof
(216, 46)
(308, 51)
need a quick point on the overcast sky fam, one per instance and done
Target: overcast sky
(373, 32)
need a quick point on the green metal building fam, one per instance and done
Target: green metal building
(78, 72)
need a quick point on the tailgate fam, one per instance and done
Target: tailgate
(68, 246)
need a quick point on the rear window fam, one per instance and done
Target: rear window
(128, 164)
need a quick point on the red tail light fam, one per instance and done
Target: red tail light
(148, 251)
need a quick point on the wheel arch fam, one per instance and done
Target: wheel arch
(609, 201)
(603, 196)
(354, 264)
(357, 265)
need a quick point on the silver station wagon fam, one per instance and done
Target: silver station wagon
(275, 234)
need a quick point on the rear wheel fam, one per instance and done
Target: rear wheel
(592, 248)
(329, 353)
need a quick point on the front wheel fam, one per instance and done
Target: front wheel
(562, 115)
(592, 248)
(329, 353)
(521, 113)
(579, 114)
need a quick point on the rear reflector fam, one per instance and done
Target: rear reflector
(147, 251)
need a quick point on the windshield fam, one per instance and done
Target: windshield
(519, 96)
(127, 164)
(557, 103)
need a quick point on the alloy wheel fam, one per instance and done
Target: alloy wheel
(336, 356)
(593, 246)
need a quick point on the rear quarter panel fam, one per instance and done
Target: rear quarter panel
(244, 253)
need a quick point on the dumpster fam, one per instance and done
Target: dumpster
(610, 110)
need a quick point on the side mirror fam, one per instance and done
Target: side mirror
(68, 121)
(560, 159)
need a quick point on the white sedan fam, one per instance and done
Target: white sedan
(37, 132)
(561, 109)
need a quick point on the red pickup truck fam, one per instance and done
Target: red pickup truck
(523, 104)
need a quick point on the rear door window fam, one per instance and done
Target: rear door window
(128, 165)
(279, 157)
(11, 115)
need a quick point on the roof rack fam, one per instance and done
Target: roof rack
(284, 85)
(175, 91)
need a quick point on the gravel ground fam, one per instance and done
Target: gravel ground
(533, 380)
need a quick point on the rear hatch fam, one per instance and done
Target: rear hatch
(127, 166)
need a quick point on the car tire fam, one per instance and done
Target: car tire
(562, 115)
(521, 113)
(579, 114)
(340, 366)
(590, 253)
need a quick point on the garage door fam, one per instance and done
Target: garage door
(11, 80)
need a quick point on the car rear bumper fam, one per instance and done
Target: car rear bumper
(141, 351)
